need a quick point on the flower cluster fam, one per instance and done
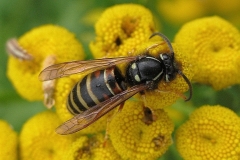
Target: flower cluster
(205, 51)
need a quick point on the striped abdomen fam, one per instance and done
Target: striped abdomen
(95, 88)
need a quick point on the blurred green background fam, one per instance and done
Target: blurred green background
(19, 16)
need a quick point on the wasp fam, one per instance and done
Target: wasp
(105, 88)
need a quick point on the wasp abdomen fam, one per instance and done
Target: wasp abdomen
(95, 88)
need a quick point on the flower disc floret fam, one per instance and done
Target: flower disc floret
(213, 45)
(212, 132)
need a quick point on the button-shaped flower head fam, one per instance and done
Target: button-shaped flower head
(8, 142)
(214, 47)
(212, 132)
(38, 139)
(41, 43)
(121, 29)
(140, 134)
(183, 10)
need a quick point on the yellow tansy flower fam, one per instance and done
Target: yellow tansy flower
(38, 139)
(40, 43)
(8, 142)
(212, 132)
(63, 88)
(119, 33)
(136, 135)
(91, 148)
(223, 7)
(182, 10)
(213, 45)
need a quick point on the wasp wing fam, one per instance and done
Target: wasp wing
(73, 67)
(86, 118)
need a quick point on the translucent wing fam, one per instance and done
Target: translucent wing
(73, 67)
(86, 118)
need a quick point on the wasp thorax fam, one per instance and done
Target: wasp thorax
(143, 70)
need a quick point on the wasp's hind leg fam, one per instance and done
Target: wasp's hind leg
(109, 120)
(149, 116)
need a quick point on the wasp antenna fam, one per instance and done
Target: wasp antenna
(165, 39)
(189, 84)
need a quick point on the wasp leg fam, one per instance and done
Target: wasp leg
(154, 46)
(120, 107)
(149, 116)
(109, 120)
(131, 53)
(48, 86)
(175, 92)
(106, 132)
